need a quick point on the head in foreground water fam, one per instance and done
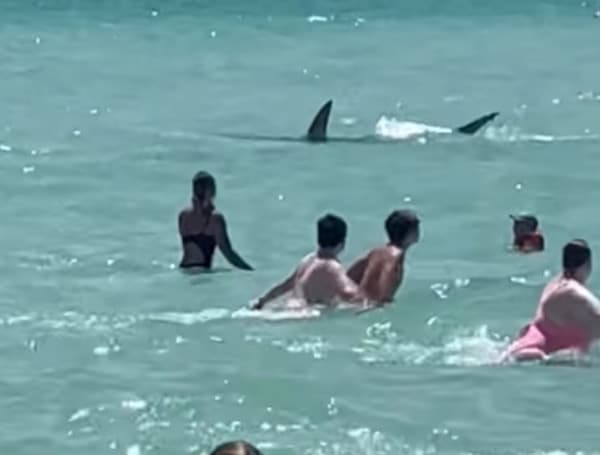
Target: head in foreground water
(235, 448)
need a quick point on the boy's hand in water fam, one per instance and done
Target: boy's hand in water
(368, 307)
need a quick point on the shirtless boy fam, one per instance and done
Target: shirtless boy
(380, 272)
(319, 278)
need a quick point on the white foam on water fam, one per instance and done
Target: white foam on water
(514, 134)
(210, 314)
(101, 350)
(472, 348)
(314, 18)
(80, 414)
(133, 450)
(391, 128)
(134, 405)
(184, 135)
(278, 314)
(466, 347)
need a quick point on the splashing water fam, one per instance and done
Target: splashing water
(391, 128)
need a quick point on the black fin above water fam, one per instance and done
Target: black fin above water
(476, 125)
(317, 131)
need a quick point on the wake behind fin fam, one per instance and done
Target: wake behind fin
(476, 125)
(317, 131)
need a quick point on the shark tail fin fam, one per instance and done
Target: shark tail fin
(317, 131)
(477, 124)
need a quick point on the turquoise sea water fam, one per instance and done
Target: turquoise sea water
(110, 107)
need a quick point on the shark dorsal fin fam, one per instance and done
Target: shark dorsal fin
(317, 131)
(476, 125)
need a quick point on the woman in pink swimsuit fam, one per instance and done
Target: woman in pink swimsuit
(568, 315)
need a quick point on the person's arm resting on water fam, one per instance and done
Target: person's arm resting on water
(225, 246)
(277, 291)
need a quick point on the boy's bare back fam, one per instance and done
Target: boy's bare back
(383, 273)
(322, 280)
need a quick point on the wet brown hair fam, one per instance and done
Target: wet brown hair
(235, 448)
(399, 224)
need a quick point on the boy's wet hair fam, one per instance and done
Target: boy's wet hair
(576, 253)
(202, 182)
(399, 224)
(331, 231)
(528, 220)
(235, 448)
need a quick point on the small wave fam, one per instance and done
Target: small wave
(513, 134)
(79, 415)
(283, 314)
(588, 96)
(472, 349)
(210, 314)
(181, 135)
(392, 128)
(315, 18)
(464, 348)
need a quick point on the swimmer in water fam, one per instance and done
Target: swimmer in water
(527, 236)
(202, 228)
(568, 314)
(235, 448)
(380, 272)
(319, 278)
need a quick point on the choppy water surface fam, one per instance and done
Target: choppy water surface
(107, 111)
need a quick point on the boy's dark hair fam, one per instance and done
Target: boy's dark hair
(399, 224)
(331, 231)
(575, 254)
(235, 448)
(202, 182)
(530, 221)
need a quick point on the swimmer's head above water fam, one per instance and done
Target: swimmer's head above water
(403, 228)
(524, 224)
(204, 190)
(527, 236)
(235, 448)
(577, 260)
(331, 234)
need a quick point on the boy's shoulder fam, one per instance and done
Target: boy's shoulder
(387, 252)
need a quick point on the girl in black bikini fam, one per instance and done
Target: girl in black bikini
(202, 228)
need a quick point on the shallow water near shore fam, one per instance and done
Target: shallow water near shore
(108, 110)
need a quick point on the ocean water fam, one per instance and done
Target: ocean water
(110, 107)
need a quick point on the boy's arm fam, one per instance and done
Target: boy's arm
(390, 279)
(275, 292)
(346, 289)
(357, 269)
(282, 288)
(587, 312)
